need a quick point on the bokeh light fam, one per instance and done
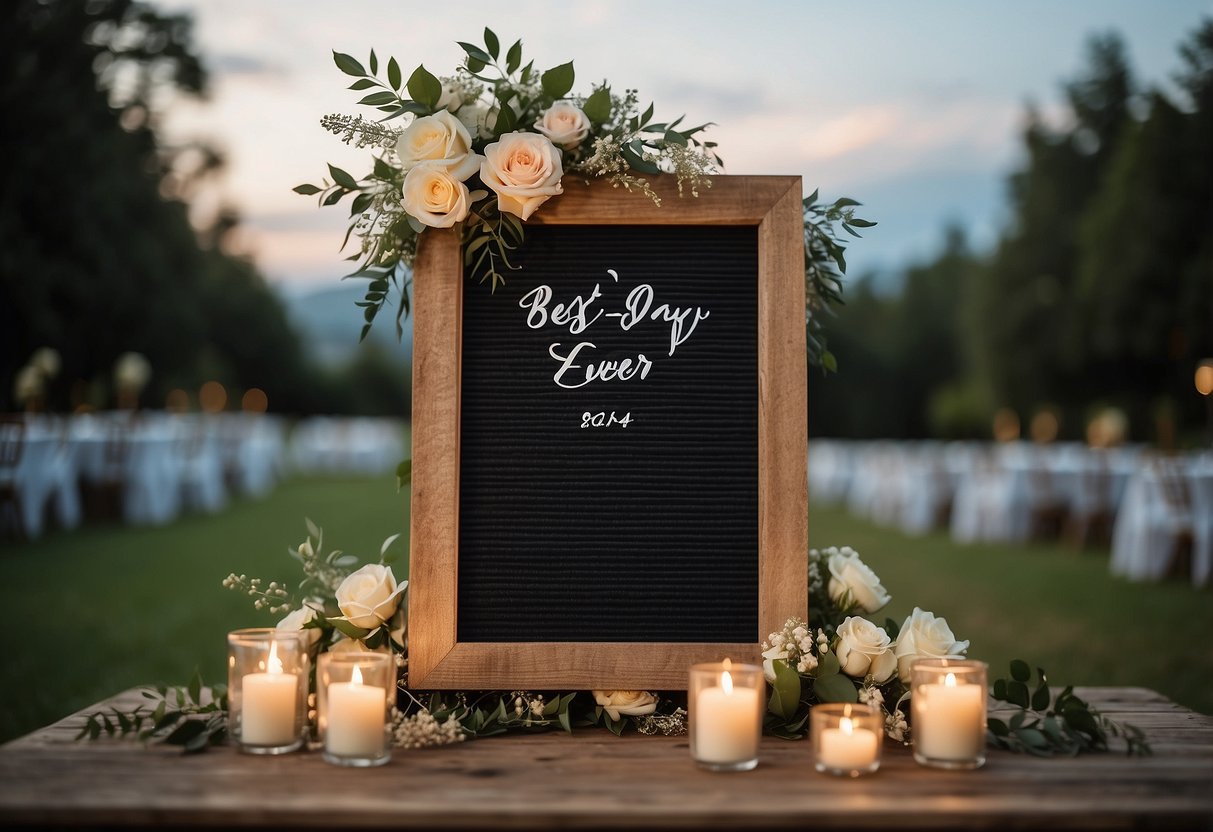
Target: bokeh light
(212, 397)
(1006, 425)
(254, 401)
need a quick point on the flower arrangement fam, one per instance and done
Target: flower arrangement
(483, 150)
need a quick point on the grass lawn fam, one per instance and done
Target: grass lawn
(1049, 605)
(102, 609)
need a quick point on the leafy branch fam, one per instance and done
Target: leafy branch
(178, 717)
(825, 265)
(1044, 726)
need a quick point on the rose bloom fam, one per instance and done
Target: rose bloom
(369, 597)
(433, 197)
(440, 139)
(524, 170)
(298, 620)
(619, 703)
(923, 636)
(848, 572)
(864, 650)
(565, 124)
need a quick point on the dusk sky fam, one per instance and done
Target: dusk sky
(915, 109)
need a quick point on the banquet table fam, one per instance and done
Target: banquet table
(596, 780)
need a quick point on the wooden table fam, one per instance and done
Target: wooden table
(594, 779)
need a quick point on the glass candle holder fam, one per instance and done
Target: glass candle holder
(267, 683)
(354, 696)
(948, 712)
(725, 703)
(846, 739)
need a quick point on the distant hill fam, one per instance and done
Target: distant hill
(328, 323)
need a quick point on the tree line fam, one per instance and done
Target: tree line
(98, 254)
(1098, 293)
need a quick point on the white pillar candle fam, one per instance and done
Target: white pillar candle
(949, 720)
(847, 748)
(727, 723)
(356, 715)
(268, 707)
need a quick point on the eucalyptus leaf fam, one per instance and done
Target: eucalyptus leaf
(836, 688)
(558, 80)
(348, 64)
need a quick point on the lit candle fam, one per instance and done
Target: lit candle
(727, 722)
(269, 704)
(949, 720)
(355, 718)
(847, 747)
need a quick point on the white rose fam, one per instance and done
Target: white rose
(780, 651)
(849, 573)
(565, 124)
(619, 703)
(451, 99)
(440, 139)
(298, 620)
(434, 197)
(524, 169)
(864, 650)
(478, 119)
(369, 597)
(923, 636)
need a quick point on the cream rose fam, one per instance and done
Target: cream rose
(369, 597)
(451, 99)
(440, 139)
(434, 197)
(619, 703)
(524, 170)
(298, 620)
(864, 650)
(923, 636)
(565, 124)
(849, 574)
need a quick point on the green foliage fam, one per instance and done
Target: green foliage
(99, 255)
(1044, 727)
(179, 716)
(824, 267)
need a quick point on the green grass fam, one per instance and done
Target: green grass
(99, 610)
(1049, 605)
(102, 609)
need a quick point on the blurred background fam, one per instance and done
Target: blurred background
(1018, 437)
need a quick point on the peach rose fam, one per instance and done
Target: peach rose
(434, 197)
(440, 139)
(565, 124)
(524, 170)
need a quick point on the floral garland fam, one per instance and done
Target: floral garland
(484, 148)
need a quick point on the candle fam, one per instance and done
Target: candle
(847, 747)
(355, 718)
(269, 704)
(727, 722)
(949, 720)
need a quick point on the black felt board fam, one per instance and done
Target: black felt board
(644, 533)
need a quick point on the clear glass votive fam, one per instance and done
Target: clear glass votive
(846, 738)
(725, 705)
(267, 684)
(948, 712)
(354, 696)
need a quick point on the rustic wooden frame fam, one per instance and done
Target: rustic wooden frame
(437, 660)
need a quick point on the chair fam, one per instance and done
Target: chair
(1091, 513)
(1200, 484)
(12, 445)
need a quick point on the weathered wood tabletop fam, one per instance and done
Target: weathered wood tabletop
(594, 779)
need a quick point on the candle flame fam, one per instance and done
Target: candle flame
(726, 682)
(726, 664)
(949, 681)
(356, 679)
(846, 726)
(846, 710)
(273, 664)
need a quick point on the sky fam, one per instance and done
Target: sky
(913, 108)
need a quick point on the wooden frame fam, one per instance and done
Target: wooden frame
(437, 660)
